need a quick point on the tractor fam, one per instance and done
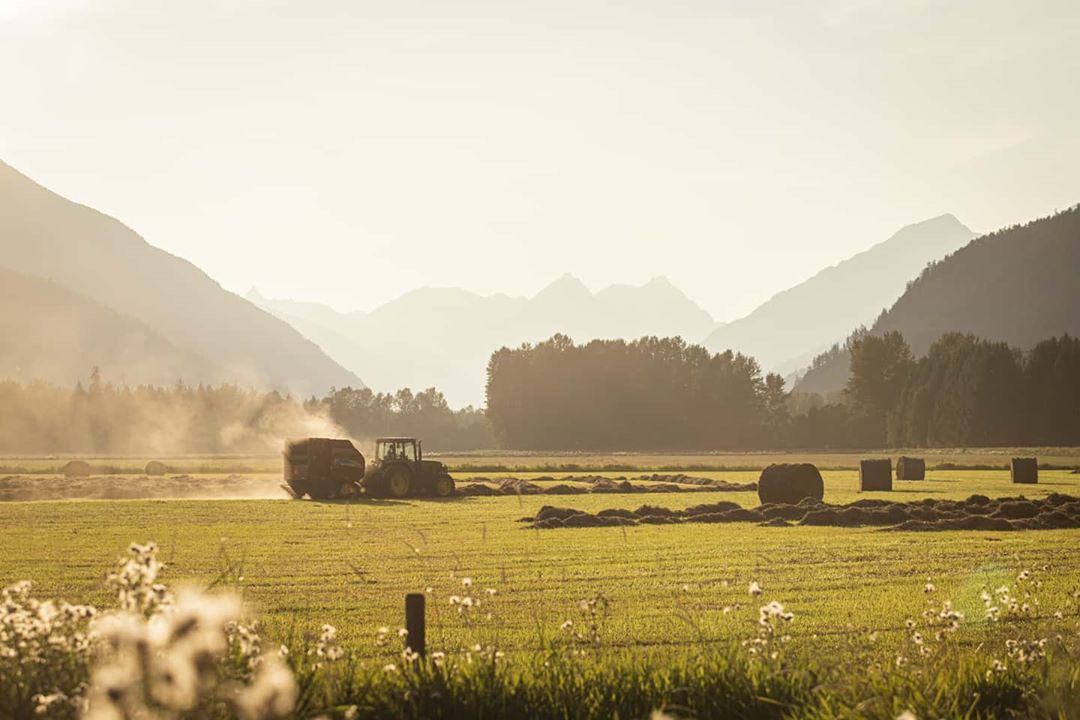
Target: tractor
(330, 469)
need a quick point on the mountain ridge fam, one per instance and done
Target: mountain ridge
(1017, 285)
(95, 255)
(805, 319)
(451, 332)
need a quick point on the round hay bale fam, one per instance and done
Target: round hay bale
(156, 468)
(788, 484)
(77, 468)
(909, 468)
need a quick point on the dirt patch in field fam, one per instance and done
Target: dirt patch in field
(977, 512)
(118, 487)
(582, 484)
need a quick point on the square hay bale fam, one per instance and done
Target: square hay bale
(875, 475)
(909, 468)
(1025, 470)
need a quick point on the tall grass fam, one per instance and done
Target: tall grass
(160, 654)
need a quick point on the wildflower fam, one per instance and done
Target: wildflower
(455, 600)
(403, 633)
(466, 582)
(389, 668)
(491, 592)
(755, 589)
(909, 624)
(1024, 575)
(907, 715)
(273, 692)
(929, 588)
(567, 626)
(917, 638)
(327, 646)
(43, 703)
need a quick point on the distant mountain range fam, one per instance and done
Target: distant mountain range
(443, 337)
(109, 288)
(786, 332)
(1020, 285)
(81, 289)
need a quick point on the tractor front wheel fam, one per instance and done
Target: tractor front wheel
(400, 483)
(444, 486)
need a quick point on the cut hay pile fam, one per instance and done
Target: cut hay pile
(1025, 470)
(127, 487)
(909, 468)
(875, 475)
(977, 512)
(790, 483)
(581, 484)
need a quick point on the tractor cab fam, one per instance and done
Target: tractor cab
(400, 470)
(398, 450)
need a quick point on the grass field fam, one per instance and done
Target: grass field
(301, 564)
(495, 461)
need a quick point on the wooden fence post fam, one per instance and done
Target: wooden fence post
(414, 623)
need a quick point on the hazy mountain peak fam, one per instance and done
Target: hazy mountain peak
(565, 285)
(785, 332)
(443, 337)
(660, 281)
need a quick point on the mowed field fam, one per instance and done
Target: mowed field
(301, 563)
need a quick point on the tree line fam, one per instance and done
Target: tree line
(648, 394)
(104, 418)
(663, 394)
(966, 391)
(651, 394)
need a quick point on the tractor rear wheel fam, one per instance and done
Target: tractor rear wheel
(444, 486)
(400, 483)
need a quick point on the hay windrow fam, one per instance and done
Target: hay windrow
(977, 512)
(583, 484)
(121, 487)
(181, 486)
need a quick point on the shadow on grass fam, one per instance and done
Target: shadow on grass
(388, 502)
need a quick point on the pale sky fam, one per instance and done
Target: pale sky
(347, 151)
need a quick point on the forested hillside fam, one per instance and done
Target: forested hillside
(797, 323)
(1018, 285)
(53, 334)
